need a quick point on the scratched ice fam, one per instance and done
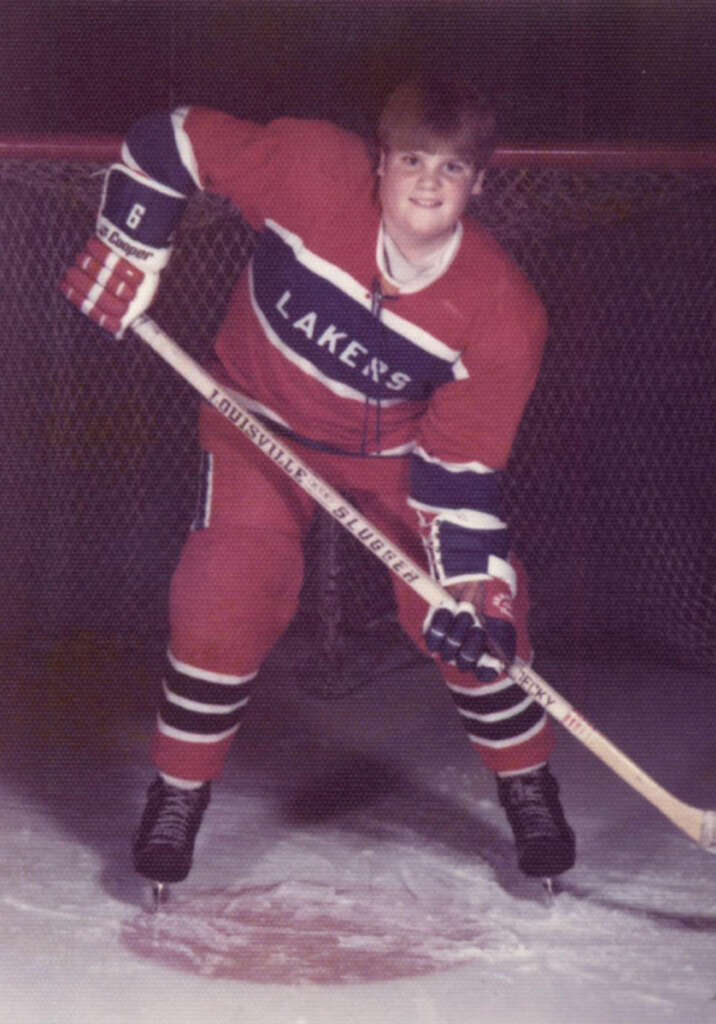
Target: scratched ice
(355, 866)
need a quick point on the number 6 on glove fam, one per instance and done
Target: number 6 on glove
(115, 278)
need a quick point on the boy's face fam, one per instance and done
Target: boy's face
(423, 195)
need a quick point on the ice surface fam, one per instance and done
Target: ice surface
(354, 867)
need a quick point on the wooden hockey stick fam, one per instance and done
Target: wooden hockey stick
(699, 825)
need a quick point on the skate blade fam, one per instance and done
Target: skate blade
(550, 890)
(159, 895)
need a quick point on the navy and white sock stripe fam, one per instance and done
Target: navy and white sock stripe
(201, 706)
(498, 714)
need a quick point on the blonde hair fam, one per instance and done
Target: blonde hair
(426, 112)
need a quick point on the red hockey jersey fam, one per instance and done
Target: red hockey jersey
(311, 341)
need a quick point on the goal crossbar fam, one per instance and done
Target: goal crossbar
(625, 155)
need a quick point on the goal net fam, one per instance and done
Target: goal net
(611, 484)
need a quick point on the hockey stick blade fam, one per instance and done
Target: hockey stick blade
(699, 825)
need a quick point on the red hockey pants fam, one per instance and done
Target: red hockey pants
(235, 591)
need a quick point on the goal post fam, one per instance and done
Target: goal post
(612, 480)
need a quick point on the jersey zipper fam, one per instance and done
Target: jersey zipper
(377, 298)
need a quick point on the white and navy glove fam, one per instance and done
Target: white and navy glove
(479, 636)
(469, 555)
(115, 278)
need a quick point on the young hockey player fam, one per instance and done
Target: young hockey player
(395, 344)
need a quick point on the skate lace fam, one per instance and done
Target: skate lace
(176, 816)
(532, 813)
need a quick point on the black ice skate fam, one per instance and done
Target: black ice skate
(164, 843)
(545, 842)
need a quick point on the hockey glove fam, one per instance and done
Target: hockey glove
(114, 280)
(108, 289)
(479, 636)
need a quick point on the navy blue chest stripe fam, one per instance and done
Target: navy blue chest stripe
(338, 337)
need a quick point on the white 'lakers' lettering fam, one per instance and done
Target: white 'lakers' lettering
(337, 343)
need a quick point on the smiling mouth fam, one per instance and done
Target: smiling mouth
(427, 204)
